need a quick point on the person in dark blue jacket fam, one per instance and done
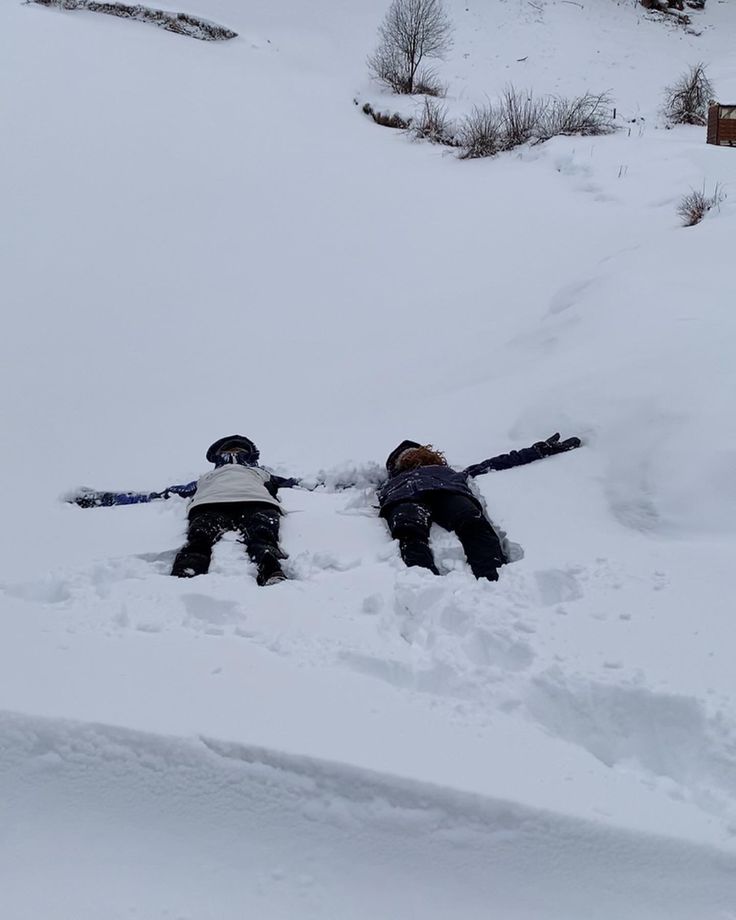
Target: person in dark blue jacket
(421, 488)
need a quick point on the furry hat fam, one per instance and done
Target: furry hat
(245, 443)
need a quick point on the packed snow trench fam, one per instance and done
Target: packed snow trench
(199, 239)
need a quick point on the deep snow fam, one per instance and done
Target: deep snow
(199, 239)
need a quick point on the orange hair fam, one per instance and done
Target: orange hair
(413, 457)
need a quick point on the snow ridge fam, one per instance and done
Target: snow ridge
(315, 821)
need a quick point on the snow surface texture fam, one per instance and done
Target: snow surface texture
(216, 239)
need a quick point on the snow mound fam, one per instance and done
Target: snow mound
(216, 830)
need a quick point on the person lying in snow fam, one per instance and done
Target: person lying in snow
(422, 488)
(241, 496)
(238, 495)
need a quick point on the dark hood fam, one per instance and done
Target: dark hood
(246, 443)
(394, 455)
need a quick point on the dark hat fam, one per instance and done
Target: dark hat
(394, 455)
(245, 443)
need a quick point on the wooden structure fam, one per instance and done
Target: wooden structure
(722, 125)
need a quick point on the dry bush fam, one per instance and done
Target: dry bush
(589, 114)
(181, 23)
(695, 205)
(428, 84)
(670, 10)
(522, 117)
(686, 101)
(387, 119)
(412, 31)
(664, 5)
(434, 125)
(481, 133)
(387, 69)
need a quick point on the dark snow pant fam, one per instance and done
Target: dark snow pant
(256, 522)
(410, 523)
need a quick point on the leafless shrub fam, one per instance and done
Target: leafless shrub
(663, 4)
(695, 205)
(522, 117)
(434, 125)
(589, 114)
(387, 119)
(428, 84)
(686, 101)
(412, 31)
(481, 133)
(669, 10)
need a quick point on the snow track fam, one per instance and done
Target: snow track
(210, 829)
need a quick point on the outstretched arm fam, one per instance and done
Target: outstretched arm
(90, 498)
(310, 485)
(538, 451)
(337, 480)
(280, 482)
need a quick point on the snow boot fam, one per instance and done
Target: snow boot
(269, 570)
(189, 564)
(417, 552)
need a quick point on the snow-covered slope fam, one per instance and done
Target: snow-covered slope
(199, 239)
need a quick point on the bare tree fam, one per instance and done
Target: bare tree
(686, 101)
(412, 31)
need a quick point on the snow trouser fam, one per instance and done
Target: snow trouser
(257, 523)
(411, 521)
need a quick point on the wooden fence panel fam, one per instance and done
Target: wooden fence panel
(721, 125)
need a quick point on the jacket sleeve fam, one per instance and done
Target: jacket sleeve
(279, 482)
(90, 498)
(185, 491)
(505, 461)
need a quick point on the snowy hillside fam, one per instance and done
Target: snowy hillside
(199, 239)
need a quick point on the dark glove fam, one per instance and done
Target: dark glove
(95, 499)
(553, 445)
(185, 491)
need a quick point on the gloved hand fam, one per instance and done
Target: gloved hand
(553, 445)
(184, 490)
(94, 499)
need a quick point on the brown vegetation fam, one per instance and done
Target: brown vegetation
(181, 23)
